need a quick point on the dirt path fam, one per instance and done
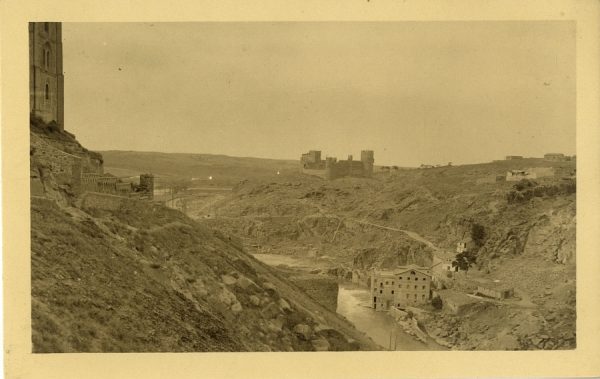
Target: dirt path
(409, 233)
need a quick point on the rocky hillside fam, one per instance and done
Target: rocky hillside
(146, 278)
(525, 236)
(142, 277)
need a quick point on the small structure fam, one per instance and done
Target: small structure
(427, 166)
(495, 290)
(406, 285)
(456, 302)
(516, 175)
(442, 265)
(555, 157)
(513, 157)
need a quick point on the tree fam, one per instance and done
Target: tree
(478, 234)
(437, 302)
(463, 261)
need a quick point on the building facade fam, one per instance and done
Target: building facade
(404, 286)
(46, 81)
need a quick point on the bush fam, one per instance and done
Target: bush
(437, 302)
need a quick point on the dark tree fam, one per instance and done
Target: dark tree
(437, 302)
(478, 234)
(463, 261)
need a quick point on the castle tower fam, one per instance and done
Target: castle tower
(46, 81)
(366, 157)
(147, 185)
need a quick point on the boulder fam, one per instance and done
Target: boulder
(255, 300)
(236, 307)
(270, 311)
(303, 331)
(247, 284)
(320, 344)
(284, 305)
(229, 280)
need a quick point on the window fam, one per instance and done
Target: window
(380, 284)
(46, 27)
(422, 297)
(407, 278)
(423, 287)
(380, 291)
(413, 273)
(47, 92)
(399, 285)
(400, 278)
(392, 292)
(415, 296)
(392, 282)
(386, 282)
(416, 287)
(424, 278)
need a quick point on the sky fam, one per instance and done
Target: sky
(414, 92)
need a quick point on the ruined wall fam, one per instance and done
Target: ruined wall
(345, 168)
(102, 201)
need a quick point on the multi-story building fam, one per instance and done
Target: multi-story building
(407, 285)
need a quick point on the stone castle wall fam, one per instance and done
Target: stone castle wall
(104, 201)
(66, 168)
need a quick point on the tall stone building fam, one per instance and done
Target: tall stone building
(46, 81)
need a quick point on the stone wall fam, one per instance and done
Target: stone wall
(102, 201)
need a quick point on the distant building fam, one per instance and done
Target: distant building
(555, 157)
(442, 265)
(512, 157)
(516, 175)
(330, 168)
(408, 285)
(427, 166)
(495, 290)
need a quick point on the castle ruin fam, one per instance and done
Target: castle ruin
(330, 168)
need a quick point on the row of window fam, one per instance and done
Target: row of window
(387, 282)
(408, 287)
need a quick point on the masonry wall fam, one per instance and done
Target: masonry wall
(345, 168)
(102, 201)
(319, 173)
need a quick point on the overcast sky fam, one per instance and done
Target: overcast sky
(414, 92)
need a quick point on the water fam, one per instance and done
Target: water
(354, 304)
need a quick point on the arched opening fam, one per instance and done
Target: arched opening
(47, 92)
(46, 27)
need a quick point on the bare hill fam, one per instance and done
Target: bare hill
(527, 241)
(224, 169)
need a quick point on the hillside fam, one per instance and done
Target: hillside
(224, 169)
(402, 217)
(142, 277)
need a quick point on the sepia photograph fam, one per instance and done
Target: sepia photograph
(302, 186)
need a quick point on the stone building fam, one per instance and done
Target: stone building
(555, 157)
(408, 285)
(495, 290)
(46, 82)
(330, 168)
(513, 157)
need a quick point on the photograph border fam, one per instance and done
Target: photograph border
(21, 363)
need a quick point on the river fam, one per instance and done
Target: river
(353, 303)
